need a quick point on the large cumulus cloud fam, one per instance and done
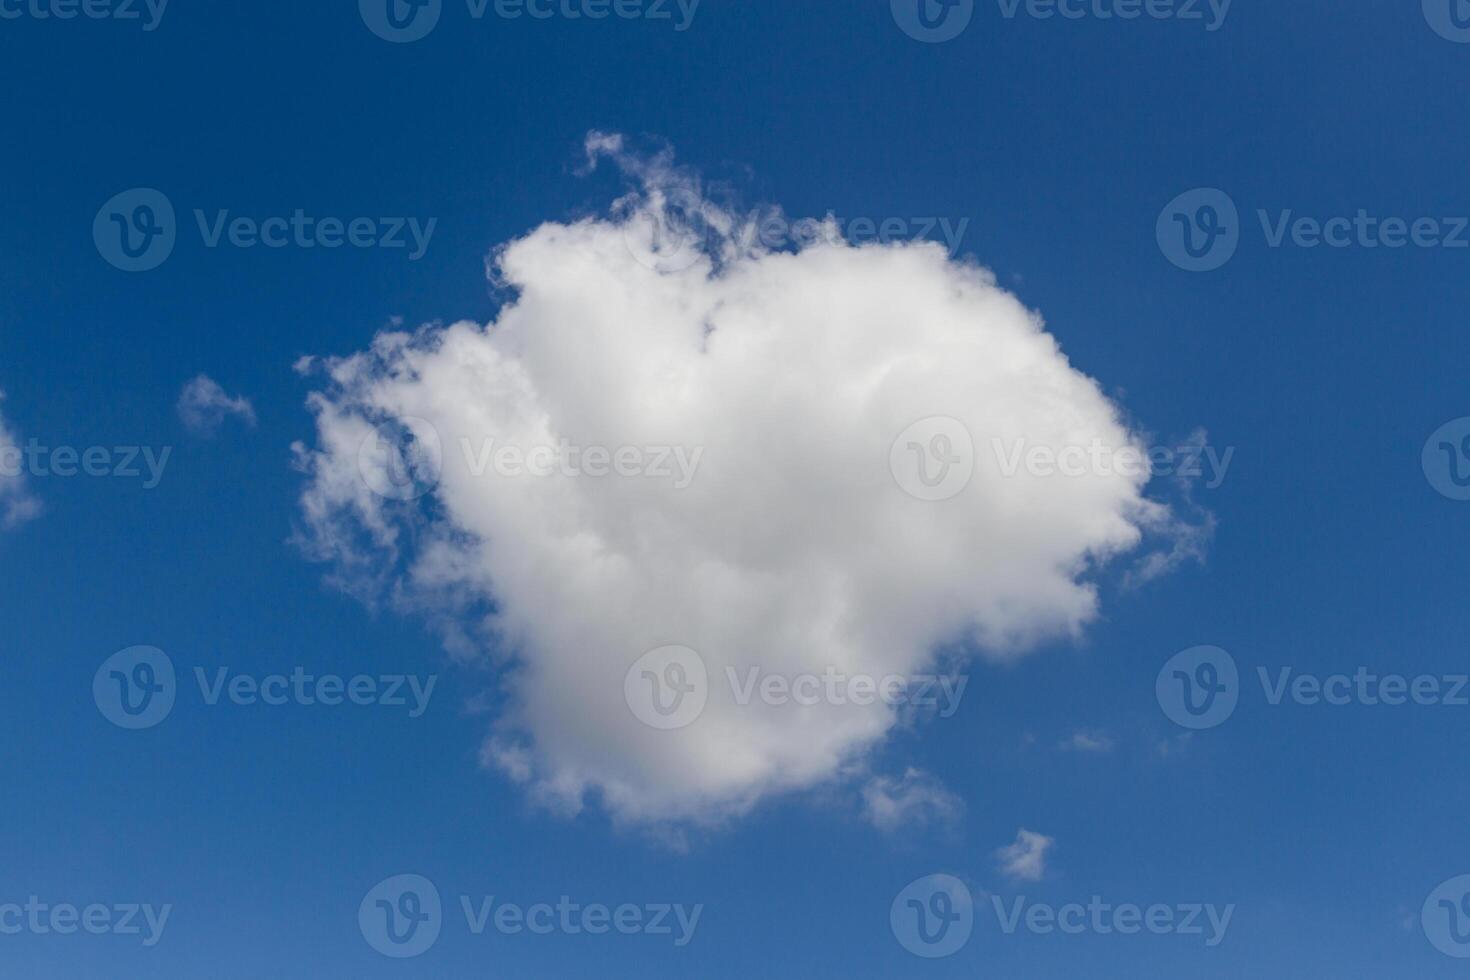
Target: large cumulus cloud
(793, 549)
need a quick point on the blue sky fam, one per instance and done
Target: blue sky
(1060, 142)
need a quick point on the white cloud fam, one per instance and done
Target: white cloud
(794, 549)
(17, 503)
(204, 405)
(916, 800)
(1085, 741)
(1026, 858)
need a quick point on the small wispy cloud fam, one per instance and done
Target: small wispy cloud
(17, 504)
(1089, 741)
(917, 799)
(204, 406)
(1168, 748)
(1025, 860)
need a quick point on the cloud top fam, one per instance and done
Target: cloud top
(204, 406)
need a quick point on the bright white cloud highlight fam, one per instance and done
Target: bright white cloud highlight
(1025, 860)
(795, 548)
(204, 406)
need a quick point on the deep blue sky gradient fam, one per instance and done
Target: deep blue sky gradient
(1060, 141)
